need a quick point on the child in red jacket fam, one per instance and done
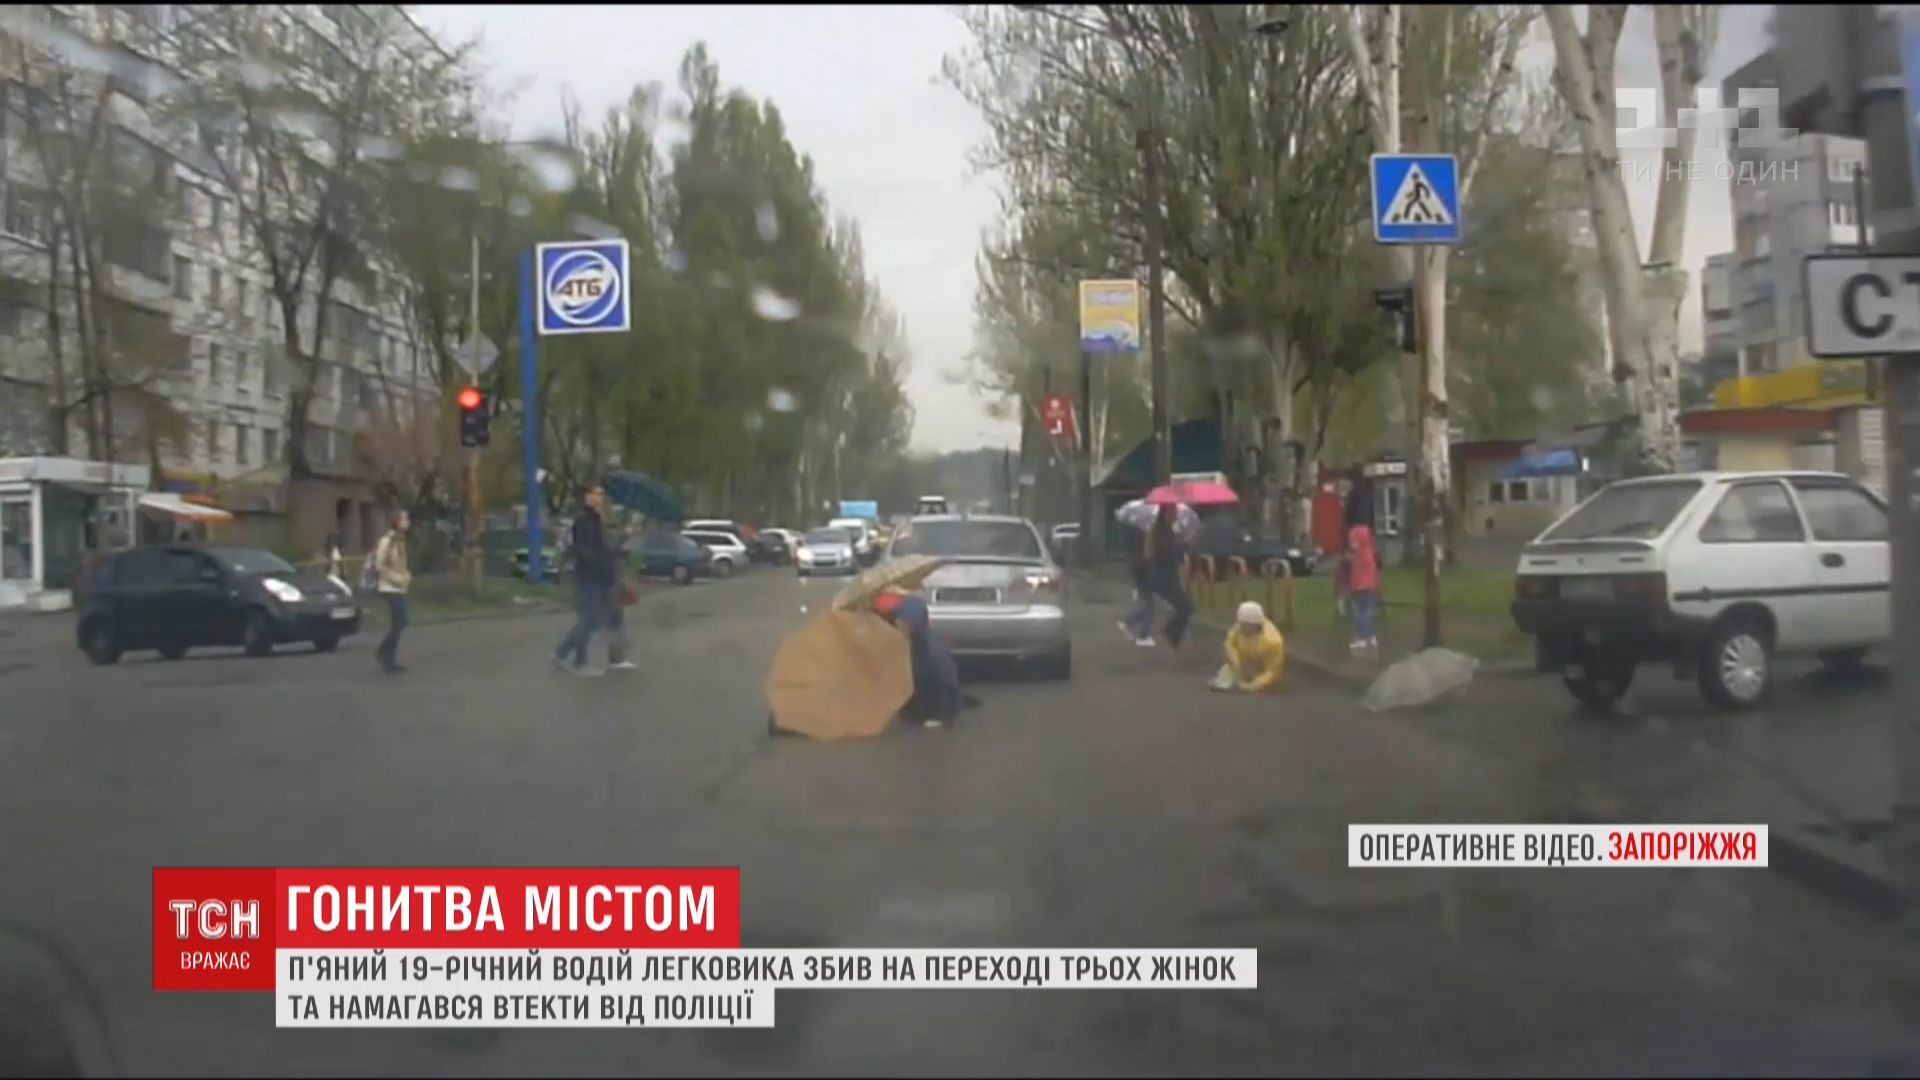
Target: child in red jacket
(1363, 585)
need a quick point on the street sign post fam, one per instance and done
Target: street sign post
(1862, 305)
(476, 358)
(1416, 199)
(576, 287)
(1056, 412)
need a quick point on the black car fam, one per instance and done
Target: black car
(175, 597)
(1224, 538)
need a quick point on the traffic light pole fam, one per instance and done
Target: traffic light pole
(530, 415)
(475, 567)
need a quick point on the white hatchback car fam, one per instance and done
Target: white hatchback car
(1713, 573)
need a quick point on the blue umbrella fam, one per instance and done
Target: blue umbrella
(644, 495)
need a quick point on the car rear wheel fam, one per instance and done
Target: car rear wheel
(1598, 679)
(1736, 665)
(1059, 665)
(682, 576)
(258, 638)
(326, 644)
(172, 652)
(723, 568)
(99, 642)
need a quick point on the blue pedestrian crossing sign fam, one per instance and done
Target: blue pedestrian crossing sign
(583, 287)
(1416, 199)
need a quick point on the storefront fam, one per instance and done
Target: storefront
(53, 513)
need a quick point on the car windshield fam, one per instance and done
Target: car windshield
(827, 536)
(969, 539)
(251, 561)
(1629, 511)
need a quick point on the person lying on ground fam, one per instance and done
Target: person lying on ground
(936, 678)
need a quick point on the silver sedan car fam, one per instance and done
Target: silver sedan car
(1001, 593)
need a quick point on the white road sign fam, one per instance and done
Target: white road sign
(476, 366)
(1862, 305)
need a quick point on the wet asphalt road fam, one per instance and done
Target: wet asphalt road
(1128, 807)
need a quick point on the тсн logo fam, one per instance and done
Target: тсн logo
(582, 287)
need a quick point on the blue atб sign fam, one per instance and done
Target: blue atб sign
(583, 287)
(1416, 199)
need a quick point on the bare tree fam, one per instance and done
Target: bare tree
(1643, 302)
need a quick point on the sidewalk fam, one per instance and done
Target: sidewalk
(1319, 635)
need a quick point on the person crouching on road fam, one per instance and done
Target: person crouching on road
(592, 583)
(1256, 653)
(936, 678)
(392, 580)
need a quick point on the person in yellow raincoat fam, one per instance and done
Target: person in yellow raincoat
(1256, 653)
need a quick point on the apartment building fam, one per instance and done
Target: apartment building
(183, 273)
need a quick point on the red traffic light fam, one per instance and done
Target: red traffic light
(470, 398)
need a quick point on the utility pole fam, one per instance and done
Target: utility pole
(1086, 457)
(1885, 110)
(475, 567)
(1148, 140)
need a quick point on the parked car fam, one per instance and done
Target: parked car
(1716, 574)
(1001, 595)
(670, 555)
(861, 530)
(1225, 538)
(774, 546)
(552, 562)
(725, 525)
(1062, 538)
(826, 551)
(176, 597)
(729, 551)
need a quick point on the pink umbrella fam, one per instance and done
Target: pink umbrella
(1193, 493)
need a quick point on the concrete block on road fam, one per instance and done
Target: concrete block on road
(1855, 873)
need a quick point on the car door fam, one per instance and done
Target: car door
(1752, 548)
(1851, 594)
(196, 600)
(136, 596)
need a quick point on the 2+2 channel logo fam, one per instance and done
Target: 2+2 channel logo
(583, 287)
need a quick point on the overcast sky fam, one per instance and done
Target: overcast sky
(860, 91)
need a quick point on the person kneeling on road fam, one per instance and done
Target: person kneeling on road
(936, 678)
(1256, 653)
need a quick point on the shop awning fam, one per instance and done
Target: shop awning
(166, 502)
(1556, 463)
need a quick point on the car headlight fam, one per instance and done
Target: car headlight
(283, 591)
(804, 555)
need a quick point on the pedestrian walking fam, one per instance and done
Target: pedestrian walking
(593, 581)
(331, 555)
(392, 579)
(1138, 623)
(1165, 553)
(1256, 653)
(1363, 586)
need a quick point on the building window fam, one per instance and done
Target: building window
(15, 312)
(270, 372)
(213, 287)
(240, 367)
(1497, 491)
(182, 278)
(27, 214)
(241, 438)
(270, 444)
(213, 364)
(216, 212)
(213, 440)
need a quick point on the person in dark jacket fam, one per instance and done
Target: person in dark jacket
(593, 582)
(936, 678)
(1138, 622)
(1165, 552)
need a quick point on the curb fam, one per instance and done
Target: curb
(1854, 873)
